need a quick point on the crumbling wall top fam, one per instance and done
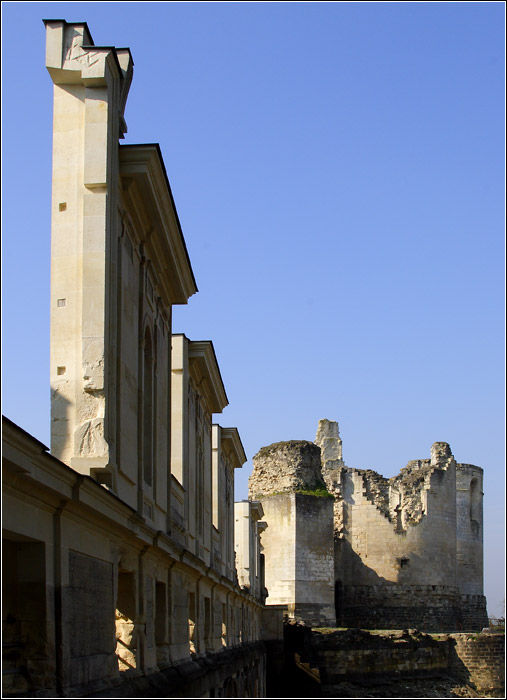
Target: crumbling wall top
(286, 467)
(328, 439)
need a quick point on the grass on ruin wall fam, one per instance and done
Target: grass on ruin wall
(318, 490)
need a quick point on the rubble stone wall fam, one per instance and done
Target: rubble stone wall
(285, 467)
(354, 655)
(376, 547)
(357, 655)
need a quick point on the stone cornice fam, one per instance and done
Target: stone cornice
(256, 510)
(31, 472)
(204, 366)
(233, 446)
(146, 189)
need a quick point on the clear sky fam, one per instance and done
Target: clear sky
(338, 170)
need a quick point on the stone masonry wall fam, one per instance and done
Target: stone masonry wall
(398, 543)
(408, 549)
(361, 656)
(427, 608)
(298, 543)
(479, 660)
(298, 551)
(374, 548)
(469, 515)
(278, 547)
(473, 614)
(314, 560)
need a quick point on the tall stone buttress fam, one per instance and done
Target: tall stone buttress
(91, 85)
(118, 264)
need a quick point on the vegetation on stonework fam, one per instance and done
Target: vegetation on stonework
(288, 444)
(318, 489)
(321, 491)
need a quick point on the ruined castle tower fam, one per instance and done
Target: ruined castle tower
(385, 553)
(298, 542)
(408, 550)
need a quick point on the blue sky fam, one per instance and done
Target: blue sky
(338, 170)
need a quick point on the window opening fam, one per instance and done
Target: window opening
(126, 637)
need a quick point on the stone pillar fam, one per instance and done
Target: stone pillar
(90, 90)
(328, 439)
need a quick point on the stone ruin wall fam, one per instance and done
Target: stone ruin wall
(479, 661)
(298, 544)
(357, 656)
(408, 549)
(285, 467)
(398, 542)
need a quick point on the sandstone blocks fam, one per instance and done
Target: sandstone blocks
(298, 543)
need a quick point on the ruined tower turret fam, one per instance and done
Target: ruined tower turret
(298, 542)
(407, 550)
(285, 467)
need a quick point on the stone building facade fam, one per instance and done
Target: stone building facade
(119, 563)
(407, 550)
